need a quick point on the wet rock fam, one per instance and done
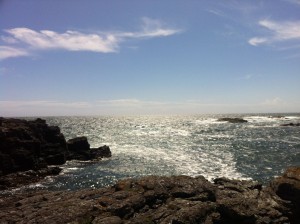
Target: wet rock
(233, 120)
(101, 152)
(291, 124)
(19, 179)
(79, 149)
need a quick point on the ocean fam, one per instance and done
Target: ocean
(179, 145)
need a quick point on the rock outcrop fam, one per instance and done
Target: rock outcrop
(154, 199)
(233, 120)
(288, 188)
(292, 124)
(79, 149)
(26, 145)
(19, 179)
(33, 145)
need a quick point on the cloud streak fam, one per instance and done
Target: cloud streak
(70, 40)
(100, 42)
(280, 31)
(11, 52)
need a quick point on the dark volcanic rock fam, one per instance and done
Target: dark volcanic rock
(291, 124)
(101, 152)
(78, 144)
(288, 188)
(33, 145)
(233, 120)
(20, 179)
(79, 149)
(28, 145)
(153, 199)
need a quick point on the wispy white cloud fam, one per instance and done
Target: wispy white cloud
(280, 31)
(70, 40)
(11, 52)
(216, 12)
(101, 42)
(150, 28)
(155, 28)
(257, 41)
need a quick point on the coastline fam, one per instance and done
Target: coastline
(157, 199)
(150, 199)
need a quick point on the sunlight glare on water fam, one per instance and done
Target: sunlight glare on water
(175, 145)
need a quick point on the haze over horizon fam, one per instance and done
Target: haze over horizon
(142, 57)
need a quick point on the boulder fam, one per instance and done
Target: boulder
(78, 144)
(79, 149)
(101, 152)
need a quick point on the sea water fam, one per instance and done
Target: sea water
(179, 145)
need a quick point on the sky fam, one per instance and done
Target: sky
(145, 57)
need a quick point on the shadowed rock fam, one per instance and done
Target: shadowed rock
(79, 149)
(288, 188)
(233, 120)
(291, 124)
(33, 145)
(26, 145)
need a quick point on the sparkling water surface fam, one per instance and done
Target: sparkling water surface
(172, 145)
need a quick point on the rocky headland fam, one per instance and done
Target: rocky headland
(31, 150)
(31, 147)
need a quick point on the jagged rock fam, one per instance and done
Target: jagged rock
(20, 179)
(26, 145)
(288, 188)
(233, 120)
(101, 152)
(33, 145)
(152, 199)
(79, 149)
(78, 144)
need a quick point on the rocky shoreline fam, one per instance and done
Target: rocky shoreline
(30, 150)
(155, 199)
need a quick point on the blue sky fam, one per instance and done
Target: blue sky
(74, 57)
